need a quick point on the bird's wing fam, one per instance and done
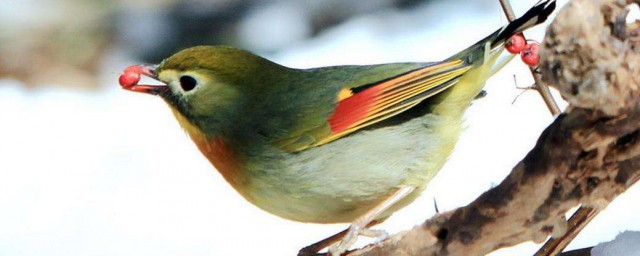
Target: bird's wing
(371, 100)
(359, 106)
(363, 106)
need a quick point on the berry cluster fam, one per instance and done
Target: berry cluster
(528, 51)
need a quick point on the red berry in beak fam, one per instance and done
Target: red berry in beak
(129, 79)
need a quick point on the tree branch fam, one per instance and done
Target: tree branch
(588, 156)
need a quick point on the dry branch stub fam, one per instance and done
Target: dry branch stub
(588, 156)
(591, 56)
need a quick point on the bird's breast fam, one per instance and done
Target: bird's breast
(214, 149)
(222, 158)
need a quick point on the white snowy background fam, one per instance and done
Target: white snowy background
(110, 172)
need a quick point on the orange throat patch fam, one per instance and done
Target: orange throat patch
(214, 149)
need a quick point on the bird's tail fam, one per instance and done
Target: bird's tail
(485, 58)
(536, 15)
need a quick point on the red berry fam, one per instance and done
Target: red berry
(516, 44)
(129, 79)
(530, 55)
(134, 69)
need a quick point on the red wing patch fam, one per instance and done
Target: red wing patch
(391, 97)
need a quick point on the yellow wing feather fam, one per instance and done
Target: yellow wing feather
(397, 95)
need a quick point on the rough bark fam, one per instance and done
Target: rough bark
(588, 156)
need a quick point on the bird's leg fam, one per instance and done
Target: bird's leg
(313, 249)
(359, 226)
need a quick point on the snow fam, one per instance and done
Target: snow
(626, 244)
(111, 173)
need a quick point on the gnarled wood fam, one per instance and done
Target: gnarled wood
(588, 156)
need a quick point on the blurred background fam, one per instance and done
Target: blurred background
(89, 169)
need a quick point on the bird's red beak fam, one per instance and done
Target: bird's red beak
(131, 76)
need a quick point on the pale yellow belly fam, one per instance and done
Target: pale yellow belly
(342, 180)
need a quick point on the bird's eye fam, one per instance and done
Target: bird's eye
(188, 83)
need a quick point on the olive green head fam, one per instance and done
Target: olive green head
(206, 84)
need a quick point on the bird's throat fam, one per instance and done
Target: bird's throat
(213, 148)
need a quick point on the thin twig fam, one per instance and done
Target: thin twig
(584, 215)
(544, 91)
(575, 224)
(508, 11)
(542, 88)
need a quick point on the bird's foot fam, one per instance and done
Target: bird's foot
(361, 226)
(378, 234)
(355, 230)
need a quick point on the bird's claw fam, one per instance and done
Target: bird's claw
(352, 236)
(378, 234)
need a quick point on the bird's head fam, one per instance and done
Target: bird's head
(205, 84)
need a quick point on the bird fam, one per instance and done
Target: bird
(339, 144)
